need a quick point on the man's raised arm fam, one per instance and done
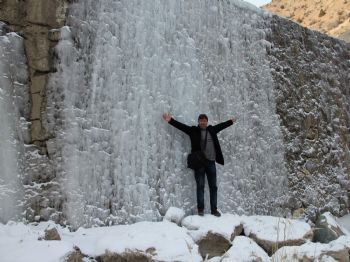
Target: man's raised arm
(224, 125)
(184, 128)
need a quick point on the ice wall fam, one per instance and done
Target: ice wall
(13, 95)
(121, 64)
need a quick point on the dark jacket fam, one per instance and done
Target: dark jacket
(195, 135)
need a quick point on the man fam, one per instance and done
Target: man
(204, 138)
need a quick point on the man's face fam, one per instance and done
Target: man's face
(203, 123)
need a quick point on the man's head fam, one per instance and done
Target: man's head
(202, 121)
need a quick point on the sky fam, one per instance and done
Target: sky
(258, 2)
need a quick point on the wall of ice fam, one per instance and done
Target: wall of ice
(121, 64)
(13, 101)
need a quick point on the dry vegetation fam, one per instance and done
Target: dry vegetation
(328, 16)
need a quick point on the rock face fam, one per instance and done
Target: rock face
(328, 16)
(311, 77)
(34, 19)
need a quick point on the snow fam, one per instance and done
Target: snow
(342, 223)
(175, 215)
(199, 226)
(171, 242)
(164, 241)
(312, 250)
(345, 222)
(244, 249)
(275, 228)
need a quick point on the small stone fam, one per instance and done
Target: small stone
(52, 234)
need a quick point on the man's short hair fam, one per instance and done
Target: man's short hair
(203, 116)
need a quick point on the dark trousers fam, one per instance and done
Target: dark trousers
(210, 171)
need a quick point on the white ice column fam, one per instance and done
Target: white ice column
(12, 97)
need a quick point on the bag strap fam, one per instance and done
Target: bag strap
(205, 139)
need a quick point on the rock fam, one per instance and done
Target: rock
(52, 234)
(245, 250)
(213, 245)
(12, 11)
(38, 82)
(337, 250)
(36, 107)
(37, 47)
(273, 232)
(327, 229)
(174, 215)
(75, 256)
(130, 256)
(55, 35)
(213, 235)
(227, 226)
(36, 130)
(298, 212)
(50, 13)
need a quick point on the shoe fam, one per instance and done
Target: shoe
(216, 213)
(200, 212)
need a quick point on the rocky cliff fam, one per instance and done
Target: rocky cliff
(34, 21)
(311, 87)
(311, 76)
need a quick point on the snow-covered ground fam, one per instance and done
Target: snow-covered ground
(162, 241)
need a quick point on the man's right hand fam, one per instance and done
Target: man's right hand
(167, 117)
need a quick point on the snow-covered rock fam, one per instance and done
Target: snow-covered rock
(213, 245)
(162, 241)
(337, 250)
(166, 241)
(227, 226)
(52, 234)
(273, 232)
(328, 229)
(175, 215)
(213, 234)
(245, 250)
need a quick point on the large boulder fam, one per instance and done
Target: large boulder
(272, 233)
(327, 229)
(212, 234)
(159, 241)
(245, 250)
(213, 245)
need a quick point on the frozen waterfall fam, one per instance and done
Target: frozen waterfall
(13, 95)
(121, 64)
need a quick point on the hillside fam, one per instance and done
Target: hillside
(328, 16)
